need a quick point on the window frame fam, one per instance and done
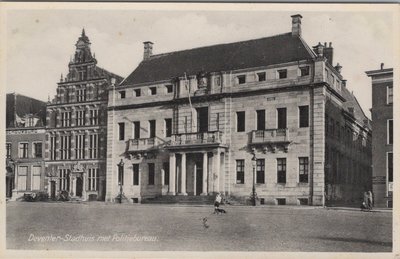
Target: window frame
(304, 169)
(300, 116)
(121, 131)
(389, 132)
(135, 174)
(138, 92)
(284, 165)
(389, 94)
(261, 76)
(8, 149)
(260, 174)
(151, 174)
(388, 167)
(241, 79)
(282, 73)
(258, 116)
(122, 94)
(169, 89)
(241, 173)
(153, 90)
(242, 128)
(277, 117)
(25, 152)
(168, 127)
(304, 69)
(34, 155)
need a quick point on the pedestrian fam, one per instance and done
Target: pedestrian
(365, 198)
(217, 202)
(370, 200)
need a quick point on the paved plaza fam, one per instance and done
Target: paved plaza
(100, 226)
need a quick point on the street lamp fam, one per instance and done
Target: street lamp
(253, 193)
(120, 179)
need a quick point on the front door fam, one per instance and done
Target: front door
(79, 186)
(53, 189)
(199, 178)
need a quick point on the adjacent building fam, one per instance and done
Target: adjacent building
(25, 137)
(76, 128)
(382, 138)
(270, 112)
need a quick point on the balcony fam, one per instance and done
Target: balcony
(271, 138)
(142, 146)
(197, 139)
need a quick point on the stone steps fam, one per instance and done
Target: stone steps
(190, 200)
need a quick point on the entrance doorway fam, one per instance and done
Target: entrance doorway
(202, 119)
(79, 186)
(9, 186)
(53, 189)
(199, 178)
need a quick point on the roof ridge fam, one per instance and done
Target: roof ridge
(219, 44)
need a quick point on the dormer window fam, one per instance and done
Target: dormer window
(137, 92)
(241, 79)
(169, 89)
(305, 71)
(261, 76)
(153, 90)
(282, 73)
(122, 94)
(217, 81)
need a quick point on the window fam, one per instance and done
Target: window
(240, 121)
(281, 162)
(80, 146)
(136, 129)
(81, 95)
(93, 145)
(36, 177)
(120, 175)
(65, 119)
(303, 116)
(166, 173)
(94, 117)
(23, 150)
(261, 76)
(151, 174)
(93, 179)
(281, 118)
(80, 118)
(260, 119)
(168, 127)
(304, 71)
(22, 177)
(281, 201)
(121, 130)
(152, 128)
(137, 92)
(240, 171)
(282, 73)
(389, 90)
(37, 150)
(135, 171)
(337, 84)
(63, 180)
(153, 90)
(217, 81)
(241, 79)
(390, 166)
(260, 169)
(8, 150)
(303, 169)
(122, 94)
(53, 151)
(390, 131)
(65, 147)
(82, 75)
(169, 88)
(326, 75)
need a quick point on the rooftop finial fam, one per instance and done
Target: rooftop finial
(83, 32)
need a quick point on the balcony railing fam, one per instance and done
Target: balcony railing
(198, 138)
(269, 136)
(141, 144)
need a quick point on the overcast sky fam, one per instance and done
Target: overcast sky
(40, 42)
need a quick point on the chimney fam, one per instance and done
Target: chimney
(382, 64)
(319, 49)
(338, 68)
(296, 25)
(148, 50)
(344, 82)
(328, 53)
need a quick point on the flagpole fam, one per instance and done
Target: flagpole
(190, 101)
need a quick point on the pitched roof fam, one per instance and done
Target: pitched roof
(351, 102)
(20, 105)
(223, 57)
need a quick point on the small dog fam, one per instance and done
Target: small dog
(219, 210)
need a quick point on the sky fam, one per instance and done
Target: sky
(39, 43)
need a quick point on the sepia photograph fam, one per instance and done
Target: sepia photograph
(177, 128)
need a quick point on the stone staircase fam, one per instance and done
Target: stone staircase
(185, 200)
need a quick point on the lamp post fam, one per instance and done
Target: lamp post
(120, 179)
(253, 193)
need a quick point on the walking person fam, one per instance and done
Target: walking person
(217, 202)
(370, 200)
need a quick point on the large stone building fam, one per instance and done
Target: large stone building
(382, 138)
(215, 119)
(25, 137)
(76, 128)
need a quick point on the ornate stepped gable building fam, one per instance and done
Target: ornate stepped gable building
(25, 137)
(215, 119)
(382, 141)
(77, 128)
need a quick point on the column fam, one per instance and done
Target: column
(183, 174)
(194, 178)
(205, 172)
(216, 169)
(172, 172)
(84, 185)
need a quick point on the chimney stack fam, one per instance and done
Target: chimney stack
(296, 25)
(338, 68)
(382, 64)
(328, 53)
(148, 50)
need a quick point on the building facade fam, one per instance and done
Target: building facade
(382, 139)
(76, 128)
(25, 137)
(272, 112)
